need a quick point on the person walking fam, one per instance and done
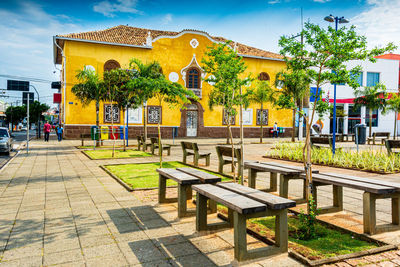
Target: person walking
(46, 130)
(60, 131)
(275, 130)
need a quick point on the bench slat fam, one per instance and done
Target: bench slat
(297, 168)
(372, 188)
(232, 200)
(178, 176)
(270, 168)
(204, 177)
(366, 180)
(272, 201)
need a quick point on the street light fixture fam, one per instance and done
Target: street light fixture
(337, 21)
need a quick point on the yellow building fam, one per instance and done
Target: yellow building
(179, 54)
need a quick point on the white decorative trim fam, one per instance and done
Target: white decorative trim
(99, 42)
(149, 40)
(257, 57)
(210, 82)
(173, 77)
(194, 43)
(89, 67)
(193, 62)
(185, 32)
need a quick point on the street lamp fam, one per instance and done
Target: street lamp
(337, 21)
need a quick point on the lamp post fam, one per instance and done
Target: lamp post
(337, 21)
(38, 126)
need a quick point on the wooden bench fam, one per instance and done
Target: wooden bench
(373, 190)
(225, 157)
(244, 203)
(321, 142)
(391, 145)
(286, 174)
(144, 143)
(85, 136)
(347, 136)
(154, 146)
(382, 135)
(185, 177)
(188, 147)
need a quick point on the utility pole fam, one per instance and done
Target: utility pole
(38, 122)
(27, 126)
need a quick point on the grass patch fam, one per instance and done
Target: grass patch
(329, 243)
(119, 153)
(104, 147)
(144, 175)
(373, 161)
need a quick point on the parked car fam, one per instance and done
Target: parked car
(5, 140)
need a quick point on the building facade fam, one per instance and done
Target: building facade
(180, 55)
(384, 71)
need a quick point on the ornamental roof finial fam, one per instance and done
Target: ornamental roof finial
(149, 40)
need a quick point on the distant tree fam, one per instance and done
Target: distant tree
(15, 114)
(90, 88)
(36, 109)
(371, 97)
(262, 93)
(226, 71)
(393, 104)
(323, 56)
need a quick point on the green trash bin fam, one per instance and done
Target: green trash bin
(94, 133)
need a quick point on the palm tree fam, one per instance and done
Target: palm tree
(146, 74)
(263, 93)
(394, 105)
(372, 97)
(295, 86)
(90, 88)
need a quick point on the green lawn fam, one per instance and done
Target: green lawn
(329, 243)
(104, 147)
(144, 175)
(119, 153)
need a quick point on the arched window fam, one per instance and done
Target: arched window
(193, 78)
(263, 76)
(111, 65)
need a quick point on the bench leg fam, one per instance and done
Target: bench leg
(201, 212)
(208, 160)
(182, 199)
(230, 217)
(396, 210)
(252, 178)
(273, 182)
(283, 186)
(239, 226)
(221, 167)
(82, 142)
(169, 151)
(281, 231)
(162, 187)
(338, 197)
(196, 160)
(184, 157)
(369, 213)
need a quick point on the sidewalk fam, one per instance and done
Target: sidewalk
(59, 208)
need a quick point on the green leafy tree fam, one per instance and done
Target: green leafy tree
(371, 97)
(226, 70)
(144, 82)
(295, 86)
(323, 56)
(36, 109)
(90, 88)
(15, 114)
(262, 93)
(393, 104)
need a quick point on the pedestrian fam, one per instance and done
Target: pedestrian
(275, 130)
(46, 130)
(60, 131)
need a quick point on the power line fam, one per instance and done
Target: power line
(31, 79)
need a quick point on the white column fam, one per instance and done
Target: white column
(363, 110)
(346, 119)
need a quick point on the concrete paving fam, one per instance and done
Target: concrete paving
(59, 208)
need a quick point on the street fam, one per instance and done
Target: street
(19, 140)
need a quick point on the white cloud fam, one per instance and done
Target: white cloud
(167, 19)
(109, 8)
(273, 2)
(321, 1)
(380, 22)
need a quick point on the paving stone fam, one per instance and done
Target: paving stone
(96, 240)
(51, 246)
(62, 257)
(101, 251)
(32, 261)
(22, 252)
(106, 261)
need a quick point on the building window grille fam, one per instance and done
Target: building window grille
(225, 118)
(107, 113)
(265, 116)
(193, 78)
(372, 78)
(111, 65)
(263, 76)
(154, 114)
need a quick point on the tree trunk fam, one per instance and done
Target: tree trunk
(233, 150)
(370, 122)
(98, 122)
(261, 123)
(159, 140)
(112, 129)
(395, 126)
(241, 144)
(145, 121)
(123, 132)
(294, 125)
(227, 134)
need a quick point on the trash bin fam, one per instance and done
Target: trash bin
(104, 133)
(121, 132)
(361, 134)
(113, 132)
(94, 133)
(175, 131)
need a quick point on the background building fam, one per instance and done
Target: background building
(180, 55)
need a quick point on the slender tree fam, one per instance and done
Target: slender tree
(90, 88)
(373, 98)
(226, 69)
(323, 57)
(393, 104)
(262, 93)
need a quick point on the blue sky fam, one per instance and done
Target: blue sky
(28, 26)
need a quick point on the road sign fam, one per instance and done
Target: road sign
(25, 97)
(15, 85)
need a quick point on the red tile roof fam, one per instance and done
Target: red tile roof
(137, 36)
